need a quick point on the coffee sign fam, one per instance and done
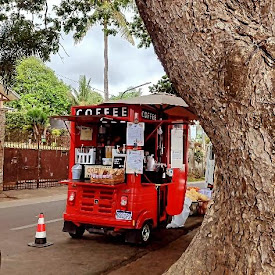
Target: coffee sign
(148, 115)
(111, 111)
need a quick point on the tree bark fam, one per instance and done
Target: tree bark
(220, 57)
(106, 63)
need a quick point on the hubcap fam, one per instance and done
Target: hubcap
(145, 233)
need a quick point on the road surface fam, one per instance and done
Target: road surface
(94, 254)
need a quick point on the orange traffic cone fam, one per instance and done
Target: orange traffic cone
(40, 235)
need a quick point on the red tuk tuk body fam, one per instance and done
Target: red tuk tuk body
(143, 201)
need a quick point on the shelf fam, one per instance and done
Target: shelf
(88, 183)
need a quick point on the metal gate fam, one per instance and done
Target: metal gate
(34, 168)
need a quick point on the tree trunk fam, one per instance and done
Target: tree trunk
(220, 57)
(106, 64)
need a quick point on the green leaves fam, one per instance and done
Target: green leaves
(80, 16)
(37, 117)
(138, 30)
(163, 86)
(130, 93)
(40, 88)
(42, 95)
(25, 30)
(85, 95)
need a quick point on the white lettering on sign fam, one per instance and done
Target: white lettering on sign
(113, 111)
(88, 112)
(148, 115)
(124, 111)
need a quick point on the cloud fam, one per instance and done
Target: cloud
(128, 65)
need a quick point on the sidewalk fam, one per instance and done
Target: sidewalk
(31, 196)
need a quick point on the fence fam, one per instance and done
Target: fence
(17, 139)
(29, 164)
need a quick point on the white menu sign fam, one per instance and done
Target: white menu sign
(134, 161)
(135, 134)
(177, 147)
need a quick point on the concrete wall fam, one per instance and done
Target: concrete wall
(2, 137)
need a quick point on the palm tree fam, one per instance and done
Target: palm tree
(104, 12)
(112, 12)
(38, 120)
(85, 95)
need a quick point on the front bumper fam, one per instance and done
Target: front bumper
(99, 221)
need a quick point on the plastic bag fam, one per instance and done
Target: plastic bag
(179, 220)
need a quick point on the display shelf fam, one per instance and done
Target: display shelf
(88, 183)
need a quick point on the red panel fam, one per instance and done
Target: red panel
(176, 193)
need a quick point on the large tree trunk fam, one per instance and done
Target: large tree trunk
(220, 57)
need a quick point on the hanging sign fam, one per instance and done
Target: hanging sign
(134, 163)
(177, 147)
(148, 115)
(119, 162)
(135, 134)
(86, 133)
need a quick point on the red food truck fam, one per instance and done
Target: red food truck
(128, 166)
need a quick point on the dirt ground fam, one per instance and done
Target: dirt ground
(158, 261)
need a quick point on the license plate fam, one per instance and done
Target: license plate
(123, 215)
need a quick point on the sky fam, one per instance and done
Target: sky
(128, 65)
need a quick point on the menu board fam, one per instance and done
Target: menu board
(134, 163)
(86, 133)
(119, 162)
(177, 147)
(135, 134)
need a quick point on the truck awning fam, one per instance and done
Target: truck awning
(169, 104)
(90, 119)
(153, 99)
(79, 118)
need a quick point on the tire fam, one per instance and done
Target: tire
(79, 233)
(145, 233)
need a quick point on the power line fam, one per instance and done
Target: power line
(132, 88)
(78, 82)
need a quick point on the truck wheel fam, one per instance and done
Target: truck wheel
(79, 233)
(145, 233)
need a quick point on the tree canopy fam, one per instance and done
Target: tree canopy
(39, 87)
(164, 85)
(26, 29)
(80, 16)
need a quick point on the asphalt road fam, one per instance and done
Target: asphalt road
(94, 254)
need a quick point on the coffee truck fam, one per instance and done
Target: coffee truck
(128, 166)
